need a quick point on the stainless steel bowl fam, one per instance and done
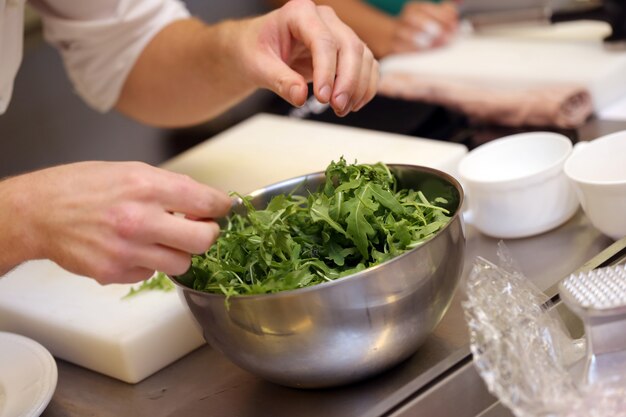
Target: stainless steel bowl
(341, 331)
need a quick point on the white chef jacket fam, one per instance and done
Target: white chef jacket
(99, 41)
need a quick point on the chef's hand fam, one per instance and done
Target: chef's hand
(424, 25)
(217, 66)
(301, 42)
(111, 221)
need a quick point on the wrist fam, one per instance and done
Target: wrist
(233, 44)
(17, 238)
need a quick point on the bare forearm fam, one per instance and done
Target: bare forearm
(174, 82)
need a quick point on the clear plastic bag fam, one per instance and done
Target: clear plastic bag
(523, 352)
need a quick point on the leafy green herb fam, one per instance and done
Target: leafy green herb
(160, 281)
(356, 220)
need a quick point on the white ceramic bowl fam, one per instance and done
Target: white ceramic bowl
(597, 170)
(516, 186)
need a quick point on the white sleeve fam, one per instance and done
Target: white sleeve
(100, 42)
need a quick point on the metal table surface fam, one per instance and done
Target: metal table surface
(205, 383)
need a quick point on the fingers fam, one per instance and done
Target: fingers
(136, 274)
(129, 276)
(190, 236)
(357, 69)
(416, 37)
(368, 81)
(121, 262)
(151, 232)
(306, 22)
(125, 261)
(444, 15)
(167, 260)
(155, 258)
(350, 51)
(293, 46)
(282, 79)
(113, 221)
(181, 194)
(423, 26)
(165, 247)
(158, 237)
(316, 46)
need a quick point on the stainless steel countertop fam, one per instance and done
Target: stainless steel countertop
(206, 383)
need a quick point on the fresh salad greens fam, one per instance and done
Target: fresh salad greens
(356, 220)
(159, 281)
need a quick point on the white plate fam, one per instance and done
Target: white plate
(28, 376)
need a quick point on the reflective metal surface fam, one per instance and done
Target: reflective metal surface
(351, 328)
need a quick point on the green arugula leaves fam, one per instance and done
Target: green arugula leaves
(159, 281)
(356, 220)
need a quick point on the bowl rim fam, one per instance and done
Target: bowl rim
(553, 169)
(591, 145)
(353, 276)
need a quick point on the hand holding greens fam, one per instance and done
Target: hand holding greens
(358, 219)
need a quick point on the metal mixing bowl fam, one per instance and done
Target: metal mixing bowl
(345, 330)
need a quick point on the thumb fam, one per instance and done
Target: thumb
(284, 81)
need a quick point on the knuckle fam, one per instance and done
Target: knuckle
(194, 191)
(327, 40)
(127, 220)
(184, 180)
(326, 11)
(282, 83)
(376, 70)
(145, 189)
(137, 165)
(118, 255)
(294, 3)
(357, 46)
(183, 186)
(139, 181)
(205, 200)
(368, 55)
(107, 271)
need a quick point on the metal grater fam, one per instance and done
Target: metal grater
(598, 297)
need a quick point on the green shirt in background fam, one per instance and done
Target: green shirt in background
(392, 7)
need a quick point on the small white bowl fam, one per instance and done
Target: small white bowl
(516, 186)
(597, 169)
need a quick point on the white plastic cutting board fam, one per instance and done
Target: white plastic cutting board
(266, 149)
(567, 53)
(91, 325)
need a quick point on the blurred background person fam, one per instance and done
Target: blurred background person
(396, 26)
